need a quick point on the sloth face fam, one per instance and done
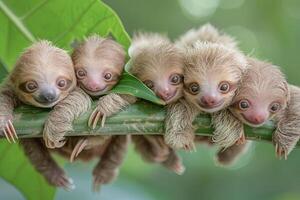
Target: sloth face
(98, 63)
(212, 75)
(167, 85)
(261, 96)
(96, 79)
(160, 68)
(212, 92)
(43, 75)
(256, 111)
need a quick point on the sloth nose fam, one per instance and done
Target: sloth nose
(209, 100)
(258, 119)
(94, 86)
(48, 96)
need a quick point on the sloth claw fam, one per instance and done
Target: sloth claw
(241, 140)
(280, 152)
(10, 132)
(81, 144)
(94, 118)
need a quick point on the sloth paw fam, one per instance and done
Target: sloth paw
(181, 141)
(177, 167)
(53, 141)
(59, 179)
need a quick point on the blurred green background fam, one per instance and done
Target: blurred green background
(267, 29)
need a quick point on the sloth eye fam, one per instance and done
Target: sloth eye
(61, 83)
(108, 76)
(244, 104)
(175, 79)
(194, 88)
(80, 73)
(149, 84)
(275, 107)
(31, 86)
(224, 87)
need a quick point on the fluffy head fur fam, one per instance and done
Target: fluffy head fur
(206, 33)
(212, 74)
(156, 61)
(98, 63)
(263, 86)
(39, 74)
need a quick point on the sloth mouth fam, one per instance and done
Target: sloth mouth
(212, 108)
(46, 103)
(95, 93)
(171, 98)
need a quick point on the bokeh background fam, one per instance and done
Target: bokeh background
(267, 29)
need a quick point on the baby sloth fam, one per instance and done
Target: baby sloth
(157, 63)
(98, 65)
(213, 69)
(265, 95)
(42, 77)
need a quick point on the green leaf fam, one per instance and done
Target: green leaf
(3, 71)
(16, 169)
(129, 84)
(61, 22)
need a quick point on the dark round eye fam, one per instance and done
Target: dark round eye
(224, 87)
(275, 107)
(108, 76)
(31, 86)
(61, 83)
(149, 84)
(175, 79)
(80, 73)
(244, 104)
(194, 88)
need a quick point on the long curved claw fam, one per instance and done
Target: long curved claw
(285, 155)
(241, 140)
(13, 130)
(91, 118)
(66, 183)
(49, 144)
(6, 135)
(78, 148)
(280, 152)
(10, 132)
(11, 135)
(94, 118)
(103, 120)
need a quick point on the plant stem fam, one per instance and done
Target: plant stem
(141, 118)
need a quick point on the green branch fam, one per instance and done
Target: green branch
(141, 118)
